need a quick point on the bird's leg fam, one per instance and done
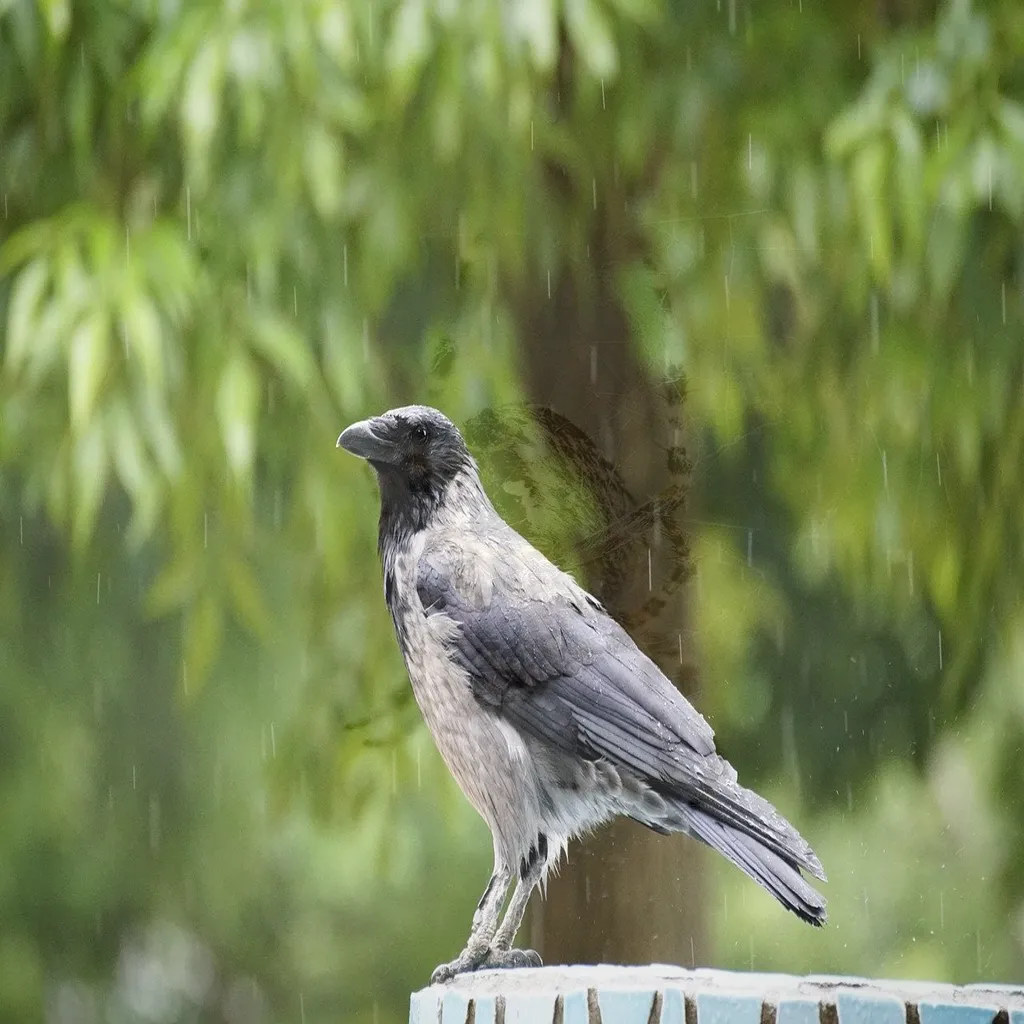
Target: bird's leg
(501, 954)
(485, 924)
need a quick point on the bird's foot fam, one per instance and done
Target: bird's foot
(485, 960)
(510, 959)
(468, 960)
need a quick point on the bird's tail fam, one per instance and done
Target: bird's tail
(777, 874)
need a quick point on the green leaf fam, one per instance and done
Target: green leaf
(409, 44)
(200, 105)
(284, 348)
(143, 337)
(643, 12)
(26, 295)
(909, 159)
(247, 601)
(536, 21)
(163, 438)
(90, 465)
(592, 35)
(323, 165)
(88, 361)
(57, 15)
(204, 629)
(176, 584)
(869, 172)
(133, 467)
(237, 398)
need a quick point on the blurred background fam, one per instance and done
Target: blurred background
(727, 295)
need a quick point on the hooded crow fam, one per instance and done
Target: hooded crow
(550, 718)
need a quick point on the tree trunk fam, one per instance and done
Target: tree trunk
(627, 895)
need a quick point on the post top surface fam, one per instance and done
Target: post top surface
(772, 987)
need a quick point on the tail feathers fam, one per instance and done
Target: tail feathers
(781, 878)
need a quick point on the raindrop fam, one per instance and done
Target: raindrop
(885, 470)
(650, 571)
(940, 650)
(938, 468)
(750, 548)
(604, 105)
(1004, 302)
(849, 797)
(593, 366)
(593, 195)
(154, 823)
(732, 17)
(858, 46)
(295, 300)
(133, 777)
(693, 955)
(344, 264)
(302, 1009)
(549, 284)
(874, 322)
(680, 636)
(846, 722)
(98, 588)
(206, 530)
(273, 741)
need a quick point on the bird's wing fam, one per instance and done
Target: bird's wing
(548, 658)
(545, 656)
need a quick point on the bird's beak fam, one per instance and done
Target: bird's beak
(360, 439)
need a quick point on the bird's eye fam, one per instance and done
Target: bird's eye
(420, 432)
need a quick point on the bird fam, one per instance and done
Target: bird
(548, 716)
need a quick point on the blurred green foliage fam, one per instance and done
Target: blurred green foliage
(228, 230)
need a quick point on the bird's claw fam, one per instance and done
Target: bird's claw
(485, 960)
(510, 959)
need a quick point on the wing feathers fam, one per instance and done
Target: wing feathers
(561, 670)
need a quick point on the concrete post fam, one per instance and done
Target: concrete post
(662, 994)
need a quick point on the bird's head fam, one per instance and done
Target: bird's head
(417, 453)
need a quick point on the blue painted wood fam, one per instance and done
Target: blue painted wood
(797, 1011)
(728, 1009)
(855, 1008)
(575, 1009)
(950, 1013)
(673, 1007)
(423, 1008)
(1017, 1017)
(486, 1009)
(525, 1008)
(625, 1007)
(454, 1008)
